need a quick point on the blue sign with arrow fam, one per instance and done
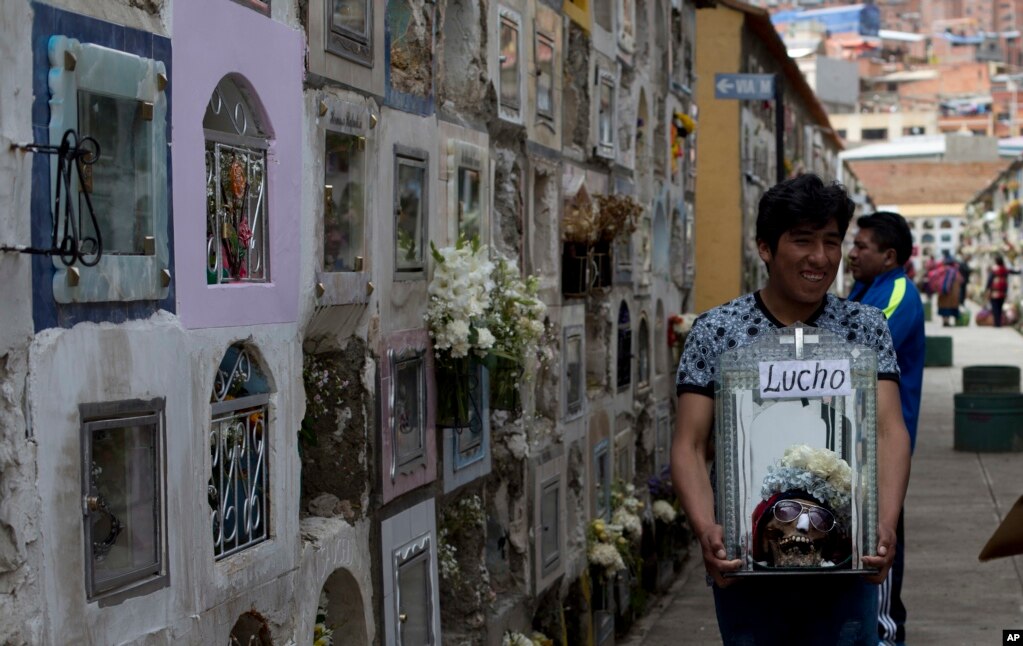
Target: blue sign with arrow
(744, 87)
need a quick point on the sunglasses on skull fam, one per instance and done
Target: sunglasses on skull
(786, 511)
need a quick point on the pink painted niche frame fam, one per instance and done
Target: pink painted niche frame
(404, 480)
(215, 39)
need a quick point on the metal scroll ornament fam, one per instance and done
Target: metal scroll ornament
(99, 511)
(68, 238)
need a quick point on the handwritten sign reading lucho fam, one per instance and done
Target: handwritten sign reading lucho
(820, 378)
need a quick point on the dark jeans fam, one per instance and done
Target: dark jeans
(812, 610)
(996, 310)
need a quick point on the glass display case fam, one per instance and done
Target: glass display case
(796, 453)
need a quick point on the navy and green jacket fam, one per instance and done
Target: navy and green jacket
(894, 294)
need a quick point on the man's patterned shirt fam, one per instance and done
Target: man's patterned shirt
(745, 320)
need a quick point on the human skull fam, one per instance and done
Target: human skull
(796, 543)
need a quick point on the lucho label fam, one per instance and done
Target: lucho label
(779, 379)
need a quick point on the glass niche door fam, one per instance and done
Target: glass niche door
(796, 453)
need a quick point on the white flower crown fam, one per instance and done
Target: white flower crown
(819, 472)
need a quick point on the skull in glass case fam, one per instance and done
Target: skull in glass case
(802, 520)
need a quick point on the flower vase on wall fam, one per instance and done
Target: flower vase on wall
(504, 385)
(456, 381)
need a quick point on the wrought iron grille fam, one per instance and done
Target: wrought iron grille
(75, 236)
(236, 230)
(237, 488)
(237, 234)
(624, 363)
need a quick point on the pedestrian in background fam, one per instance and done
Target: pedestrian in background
(877, 259)
(948, 283)
(800, 226)
(998, 288)
(966, 271)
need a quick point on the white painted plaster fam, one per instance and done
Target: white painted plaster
(21, 600)
(327, 545)
(16, 169)
(143, 359)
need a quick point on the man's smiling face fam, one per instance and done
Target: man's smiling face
(805, 263)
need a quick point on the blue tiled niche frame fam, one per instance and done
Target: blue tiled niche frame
(50, 21)
(394, 98)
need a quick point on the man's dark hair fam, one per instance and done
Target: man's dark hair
(890, 231)
(802, 200)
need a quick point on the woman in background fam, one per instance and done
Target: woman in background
(998, 287)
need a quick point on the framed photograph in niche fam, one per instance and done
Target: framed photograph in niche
(605, 114)
(510, 64)
(411, 212)
(350, 29)
(575, 372)
(468, 191)
(344, 198)
(602, 480)
(407, 412)
(344, 269)
(123, 494)
(545, 78)
(796, 453)
(549, 513)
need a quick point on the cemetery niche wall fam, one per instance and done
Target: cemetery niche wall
(796, 453)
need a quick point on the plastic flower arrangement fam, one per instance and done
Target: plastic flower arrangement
(516, 314)
(605, 544)
(664, 511)
(322, 635)
(660, 485)
(679, 326)
(512, 638)
(626, 510)
(516, 318)
(665, 506)
(617, 215)
(683, 123)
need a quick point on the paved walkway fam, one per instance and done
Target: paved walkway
(954, 503)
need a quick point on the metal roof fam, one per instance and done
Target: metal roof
(915, 146)
(905, 36)
(907, 76)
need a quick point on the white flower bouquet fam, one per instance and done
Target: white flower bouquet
(606, 547)
(481, 311)
(456, 314)
(664, 511)
(460, 300)
(516, 317)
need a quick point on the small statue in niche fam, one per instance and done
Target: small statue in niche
(236, 233)
(803, 519)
